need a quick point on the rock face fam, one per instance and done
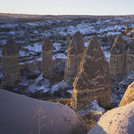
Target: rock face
(128, 96)
(121, 56)
(47, 58)
(10, 64)
(68, 40)
(117, 58)
(116, 121)
(31, 116)
(130, 55)
(74, 55)
(93, 80)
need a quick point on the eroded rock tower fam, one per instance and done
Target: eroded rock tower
(47, 58)
(93, 81)
(10, 64)
(74, 56)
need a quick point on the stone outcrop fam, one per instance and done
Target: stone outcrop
(10, 64)
(117, 58)
(121, 56)
(74, 55)
(68, 40)
(93, 80)
(116, 121)
(128, 95)
(47, 58)
(23, 115)
(129, 55)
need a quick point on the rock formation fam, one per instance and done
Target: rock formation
(23, 115)
(117, 58)
(74, 55)
(47, 58)
(93, 80)
(116, 121)
(68, 40)
(128, 96)
(130, 55)
(10, 64)
(121, 56)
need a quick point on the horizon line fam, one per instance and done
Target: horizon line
(65, 14)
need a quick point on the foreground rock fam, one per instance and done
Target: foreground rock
(116, 121)
(22, 115)
(93, 81)
(128, 96)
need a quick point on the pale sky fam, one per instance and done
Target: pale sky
(68, 7)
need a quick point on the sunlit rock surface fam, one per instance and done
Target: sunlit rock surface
(128, 96)
(116, 121)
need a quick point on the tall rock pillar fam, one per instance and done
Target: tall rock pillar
(47, 58)
(10, 64)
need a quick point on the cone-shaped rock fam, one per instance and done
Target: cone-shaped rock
(93, 80)
(47, 58)
(128, 96)
(118, 46)
(10, 64)
(117, 58)
(74, 55)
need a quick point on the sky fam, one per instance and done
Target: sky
(68, 7)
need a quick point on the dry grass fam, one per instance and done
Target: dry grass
(63, 101)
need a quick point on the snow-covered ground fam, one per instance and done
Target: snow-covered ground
(29, 33)
(119, 87)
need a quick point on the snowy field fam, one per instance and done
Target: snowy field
(28, 34)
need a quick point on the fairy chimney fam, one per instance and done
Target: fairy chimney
(47, 58)
(117, 58)
(93, 81)
(10, 64)
(74, 55)
(130, 55)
